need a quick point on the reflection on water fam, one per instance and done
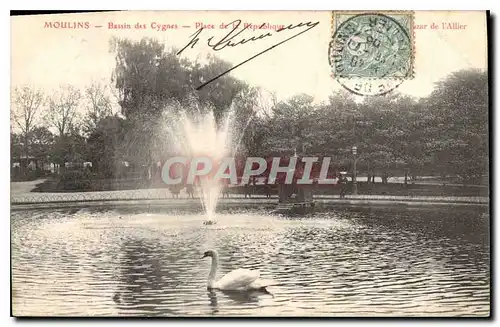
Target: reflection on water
(347, 262)
(241, 298)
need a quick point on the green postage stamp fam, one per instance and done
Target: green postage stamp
(372, 45)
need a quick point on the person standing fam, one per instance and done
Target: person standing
(342, 181)
(190, 191)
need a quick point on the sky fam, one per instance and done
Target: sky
(47, 57)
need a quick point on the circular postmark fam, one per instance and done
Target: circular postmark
(370, 54)
(360, 86)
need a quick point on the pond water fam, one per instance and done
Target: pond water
(344, 262)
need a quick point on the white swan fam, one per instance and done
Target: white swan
(236, 280)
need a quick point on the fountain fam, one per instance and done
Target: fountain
(199, 135)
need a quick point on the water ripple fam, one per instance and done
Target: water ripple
(342, 263)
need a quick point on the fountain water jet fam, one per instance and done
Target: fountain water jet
(200, 135)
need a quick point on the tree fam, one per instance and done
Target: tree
(148, 79)
(292, 125)
(16, 146)
(457, 124)
(42, 141)
(16, 150)
(70, 147)
(245, 131)
(98, 105)
(335, 123)
(146, 73)
(220, 93)
(138, 75)
(62, 111)
(26, 104)
(104, 145)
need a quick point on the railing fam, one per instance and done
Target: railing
(142, 194)
(165, 194)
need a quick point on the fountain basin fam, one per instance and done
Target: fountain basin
(122, 261)
(209, 222)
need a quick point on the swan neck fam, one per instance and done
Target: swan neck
(213, 271)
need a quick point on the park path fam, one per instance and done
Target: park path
(19, 188)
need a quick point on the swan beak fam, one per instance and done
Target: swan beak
(204, 256)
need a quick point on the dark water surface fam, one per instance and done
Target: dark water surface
(346, 262)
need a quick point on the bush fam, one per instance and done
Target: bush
(75, 180)
(29, 175)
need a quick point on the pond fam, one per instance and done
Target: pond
(343, 262)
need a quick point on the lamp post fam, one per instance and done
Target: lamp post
(354, 182)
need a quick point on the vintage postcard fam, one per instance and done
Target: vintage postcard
(252, 164)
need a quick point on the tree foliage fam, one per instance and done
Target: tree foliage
(445, 133)
(103, 145)
(98, 105)
(27, 102)
(149, 78)
(62, 111)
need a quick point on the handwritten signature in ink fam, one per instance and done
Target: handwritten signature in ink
(233, 39)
